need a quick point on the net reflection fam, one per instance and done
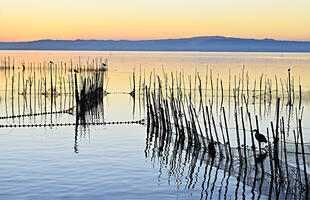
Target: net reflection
(191, 169)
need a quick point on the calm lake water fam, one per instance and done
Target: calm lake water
(115, 161)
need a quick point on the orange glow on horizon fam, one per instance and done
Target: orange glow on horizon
(28, 20)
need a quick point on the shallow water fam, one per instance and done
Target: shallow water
(112, 161)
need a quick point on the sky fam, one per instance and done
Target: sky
(28, 20)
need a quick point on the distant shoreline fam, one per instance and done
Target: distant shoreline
(179, 51)
(195, 44)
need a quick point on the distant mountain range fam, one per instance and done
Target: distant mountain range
(204, 43)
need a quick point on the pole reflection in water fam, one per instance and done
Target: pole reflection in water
(187, 155)
(174, 131)
(182, 165)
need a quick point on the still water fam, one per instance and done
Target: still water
(118, 161)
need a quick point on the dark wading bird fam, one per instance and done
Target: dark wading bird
(260, 137)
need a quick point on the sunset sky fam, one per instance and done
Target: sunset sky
(25, 20)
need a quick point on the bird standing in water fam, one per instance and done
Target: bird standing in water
(260, 138)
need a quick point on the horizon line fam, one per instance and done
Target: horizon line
(192, 37)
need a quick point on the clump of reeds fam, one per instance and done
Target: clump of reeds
(52, 88)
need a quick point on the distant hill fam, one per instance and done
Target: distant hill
(204, 43)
